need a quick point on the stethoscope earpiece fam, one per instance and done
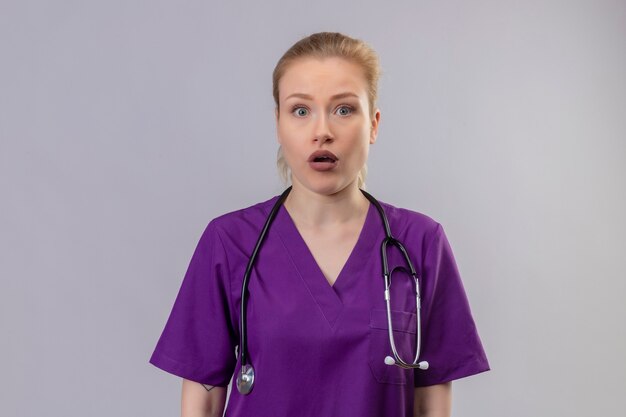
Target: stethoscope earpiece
(421, 365)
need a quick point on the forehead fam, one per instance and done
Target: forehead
(322, 77)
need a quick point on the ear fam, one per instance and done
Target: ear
(374, 126)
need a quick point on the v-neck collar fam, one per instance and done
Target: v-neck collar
(327, 297)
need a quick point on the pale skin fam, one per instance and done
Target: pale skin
(323, 104)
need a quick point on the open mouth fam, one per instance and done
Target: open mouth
(322, 155)
(323, 159)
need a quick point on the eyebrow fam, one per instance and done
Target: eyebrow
(336, 96)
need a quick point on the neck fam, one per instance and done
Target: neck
(316, 210)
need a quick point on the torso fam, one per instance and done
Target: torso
(305, 301)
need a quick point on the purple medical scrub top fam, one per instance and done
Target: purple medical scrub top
(318, 350)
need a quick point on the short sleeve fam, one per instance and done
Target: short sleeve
(450, 340)
(198, 341)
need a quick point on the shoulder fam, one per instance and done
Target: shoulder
(412, 226)
(243, 221)
(409, 219)
(416, 230)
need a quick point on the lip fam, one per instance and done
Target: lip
(320, 153)
(322, 166)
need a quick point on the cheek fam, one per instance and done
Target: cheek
(360, 147)
(285, 137)
(359, 138)
(288, 139)
(357, 129)
(362, 155)
(356, 156)
(280, 131)
(288, 131)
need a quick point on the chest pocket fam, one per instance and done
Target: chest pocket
(404, 332)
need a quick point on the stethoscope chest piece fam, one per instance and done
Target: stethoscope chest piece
(245, 379)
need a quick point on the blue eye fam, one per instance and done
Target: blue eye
(346, 110)
(300, 111)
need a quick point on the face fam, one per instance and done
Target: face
(323, 106)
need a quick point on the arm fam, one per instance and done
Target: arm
(198, 401)
(433, 400)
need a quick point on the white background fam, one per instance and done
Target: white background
(125, 126)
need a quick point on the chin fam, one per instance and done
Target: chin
(327, 187)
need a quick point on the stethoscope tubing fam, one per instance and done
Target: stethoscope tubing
(243, 322)
(245, 379)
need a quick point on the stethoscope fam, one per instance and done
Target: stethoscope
(245, 379)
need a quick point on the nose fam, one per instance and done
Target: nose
(322, 129)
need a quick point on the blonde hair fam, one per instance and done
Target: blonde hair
(322, 45)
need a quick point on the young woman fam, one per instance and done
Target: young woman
(315, 309)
